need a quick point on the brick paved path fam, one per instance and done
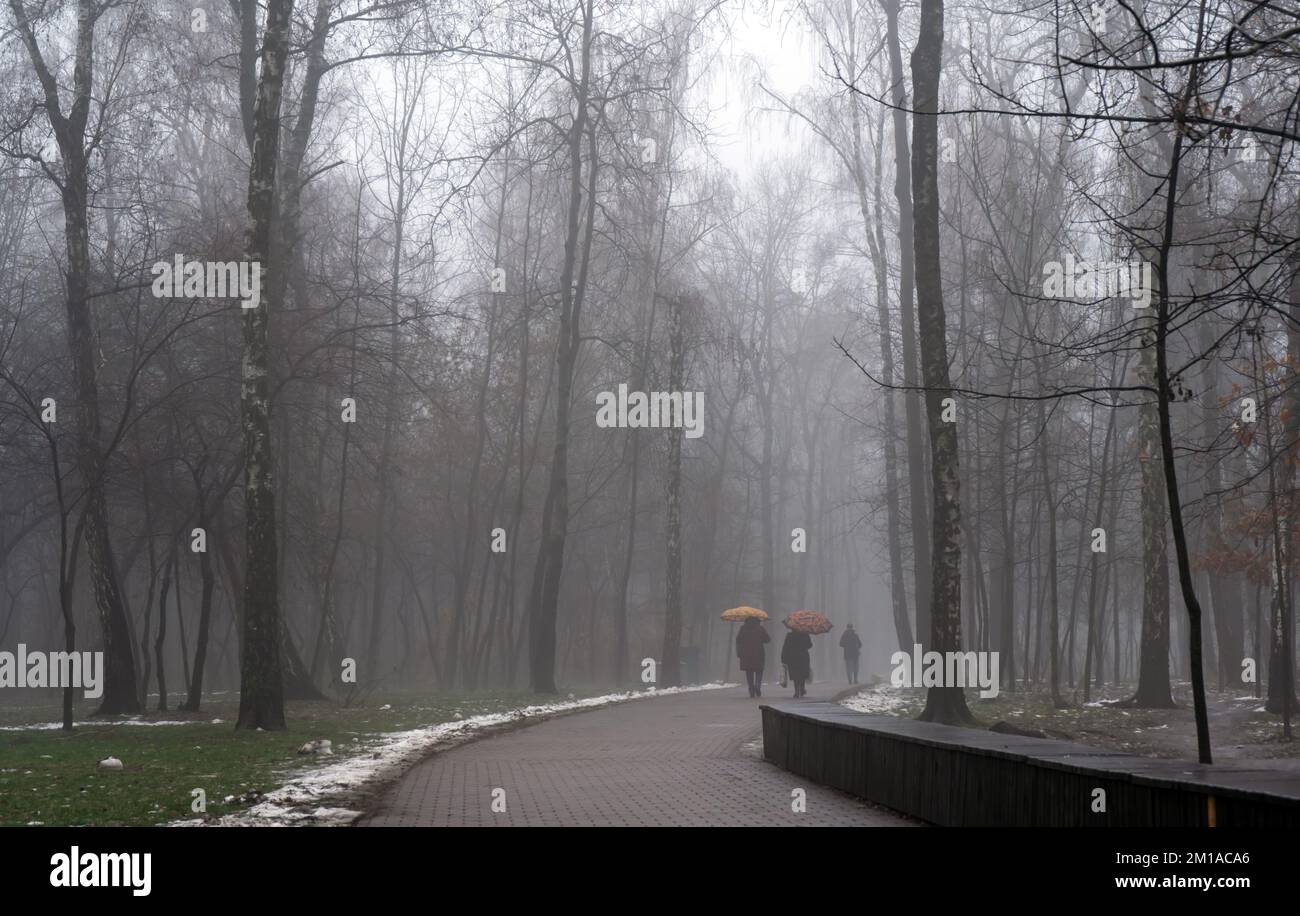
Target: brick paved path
(692, 759)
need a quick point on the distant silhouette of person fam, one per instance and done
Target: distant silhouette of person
(795, 657)
(851, 645)
(749, 649)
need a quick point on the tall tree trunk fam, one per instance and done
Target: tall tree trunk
(1053, 604)
(388, 449)
(1163, 398)
(1094, 560)
(1153, 689)
(649, 295)
(329, 641)
(904, 192)
(946, 703)
(1005, 579)
(767, 541)
(874, 224)
(671, 668)
(1281, 656)
(1225, 589)
(169, 574)
(70, 133)
(283, 247)
(545, 593)
(525, 461)
(713, 497)
(261, 699)
(207, 583)
(465, 566)
(151, 554)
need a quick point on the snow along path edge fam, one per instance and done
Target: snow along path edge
(317, 797)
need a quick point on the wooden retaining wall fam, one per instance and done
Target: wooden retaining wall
(961, 777)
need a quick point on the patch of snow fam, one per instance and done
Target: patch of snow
(878, 700)
(53, 726)
(306, 799)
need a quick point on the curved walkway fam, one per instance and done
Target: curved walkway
(692, 759)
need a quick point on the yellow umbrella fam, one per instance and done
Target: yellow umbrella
(744, 613)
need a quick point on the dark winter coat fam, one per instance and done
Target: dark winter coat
(850, 643)
(794, 655)
(749, 646)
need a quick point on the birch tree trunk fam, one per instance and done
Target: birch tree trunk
(261, 689)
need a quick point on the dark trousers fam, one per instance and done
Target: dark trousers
(851, 664)
(755, 681)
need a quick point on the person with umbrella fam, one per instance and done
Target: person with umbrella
(798, 644)
(749, 648)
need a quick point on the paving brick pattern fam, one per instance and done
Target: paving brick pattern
(687, 760)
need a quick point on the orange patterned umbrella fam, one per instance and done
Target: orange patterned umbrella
(744, 612)
(808, 622)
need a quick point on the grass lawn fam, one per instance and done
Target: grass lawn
(50, 777)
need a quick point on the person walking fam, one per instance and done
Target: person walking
(795, 657)
(749, 649)
(851, 645)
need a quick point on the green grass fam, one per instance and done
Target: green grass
(51, 777)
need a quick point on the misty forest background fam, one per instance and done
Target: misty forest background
(474, 217)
